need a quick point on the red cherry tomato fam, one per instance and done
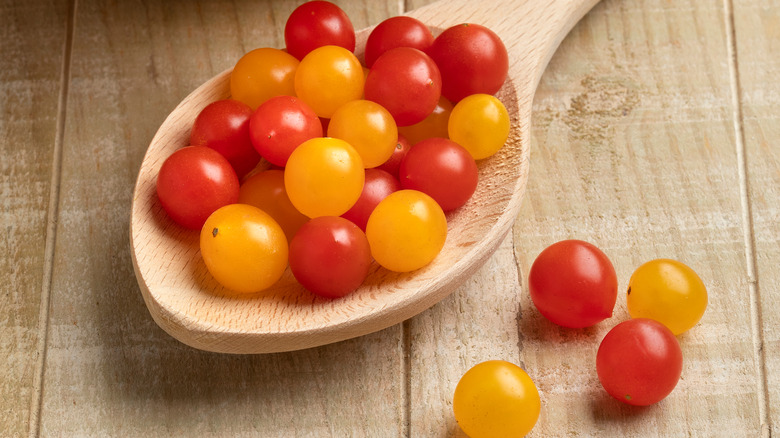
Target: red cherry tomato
(379, 184)
(639, 362)
(442, 169)
(472, 59)
(392, 165)
(400, 31)
(279, 125)
(406, 82)
(573, 284)
(330, 256)
(193, 183)
(316, 24)
(224, 126)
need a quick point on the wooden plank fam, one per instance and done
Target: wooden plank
(757, 30)
(110, 370)
(31, 60)
(636, 86)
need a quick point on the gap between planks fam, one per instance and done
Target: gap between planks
(52, 216)
(756, 318)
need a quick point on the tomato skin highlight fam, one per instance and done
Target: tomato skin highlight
(472, 59)
(399, 31)
(223, 125)
(573, 284)
(193, 182)
(315, 24)
(639, 362)
(496, 399)
(279, 125)
(330, 256)
(262, 74)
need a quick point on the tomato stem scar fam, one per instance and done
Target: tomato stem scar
(214, 232)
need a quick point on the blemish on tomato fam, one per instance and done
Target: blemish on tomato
(629, 291)
(214, 232)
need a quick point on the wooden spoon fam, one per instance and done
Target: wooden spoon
(187, 303)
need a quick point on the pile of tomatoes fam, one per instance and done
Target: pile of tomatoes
(325, 163)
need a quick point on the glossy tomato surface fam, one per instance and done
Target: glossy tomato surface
(368, 127)
(434, 125)
(442, 169)
(573, 284)
(393, 163)
(262, 74)
(379, 185)
(315, 24)
(243, 248)
(669, 292)
(193, 182)
(496, 399)
(406, 82)
(265, 190)
(279, 125)
(224, 126)
(472, 59)
(327, 78)
(330, 256)
(639, 362)
(479, 123)
(400, 31)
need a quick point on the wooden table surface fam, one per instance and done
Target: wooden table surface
(655, 135)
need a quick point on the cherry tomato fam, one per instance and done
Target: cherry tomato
(265, 190)
(379, 184)
(193, 182)
(472, 59)
(393, 163)
(573, 284)
(400, 31)
(406, 82)
(315, 24)
(330, 256)
(442, 169)
(224, 126)
(407, 230)
(262, 74)
(479, 123)
(368, 127)
(639, 362)
(243, 248)
(435, 125)
(279, 125)
(669, 292)
(496, 399)
(324, 177)
(327, 78)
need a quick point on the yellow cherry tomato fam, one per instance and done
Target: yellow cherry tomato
(262, 74)
(406, 231)
(435, 125)
(243, 248)
(479, 123)
(328, 77)
(669, 292)
(368, 127)
(265, 190)
(324, 177)
(496, 399)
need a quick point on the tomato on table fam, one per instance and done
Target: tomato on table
(279, 125)
(573, 284)
(193, 182)
(244, 249)
(669, 292)
(400, 31)
(265, 190)
(406, 231)
(442, 169)
(315, 24)
(223, 125)
(262, 74)
(327, 78)
(472, 59)
(379, 185)
(496, 399)
(330, 256)
(406, 82)
(639, 362)
(479, 123)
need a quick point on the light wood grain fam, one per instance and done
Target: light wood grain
(31, 61)
(757, 41)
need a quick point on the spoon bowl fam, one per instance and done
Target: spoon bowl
(190, 305)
